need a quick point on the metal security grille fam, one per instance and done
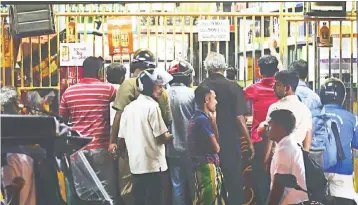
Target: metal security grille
(171, 32)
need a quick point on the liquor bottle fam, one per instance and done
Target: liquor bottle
(65, 53)
(72, 31)
(116, 37)
(124, 39)
(324, 34)
(249, 35)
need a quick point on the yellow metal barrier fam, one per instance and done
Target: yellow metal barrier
(169, 33)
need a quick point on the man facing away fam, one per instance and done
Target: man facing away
(145, 134)
(182, 106)
(305, 94)
(86, 105)
(231, 73)
(340, 175)
(116, 73)
(285, 86)
(231, 121)
(287, 159)
(261, 95)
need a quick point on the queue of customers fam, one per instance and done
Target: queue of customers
(179, 145)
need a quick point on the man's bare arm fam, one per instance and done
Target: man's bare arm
(216, 130)
(241, 123)
(115, 127)
(122, 147)
(275, 194)
(164, 138)
(268, 149)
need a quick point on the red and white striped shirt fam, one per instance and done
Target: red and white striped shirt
(87, 105)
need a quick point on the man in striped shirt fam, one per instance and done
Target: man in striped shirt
(87, 106)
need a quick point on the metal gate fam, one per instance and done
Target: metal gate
(172, 32)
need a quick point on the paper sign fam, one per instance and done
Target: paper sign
(73, 54)
(214, 30)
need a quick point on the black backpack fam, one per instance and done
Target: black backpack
(316, 181)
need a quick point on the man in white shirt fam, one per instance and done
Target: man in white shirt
(285, 86)
(287, 159)
(145, 135)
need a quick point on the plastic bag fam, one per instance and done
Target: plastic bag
(87, 184)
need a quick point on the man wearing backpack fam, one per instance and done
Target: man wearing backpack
(337, 157)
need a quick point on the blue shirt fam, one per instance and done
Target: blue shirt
(309, 98)
(182, 106)
(199, 132)
(346, 123)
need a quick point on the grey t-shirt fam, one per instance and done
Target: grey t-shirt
(182, 104)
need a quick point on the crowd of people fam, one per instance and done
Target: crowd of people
(181, 145)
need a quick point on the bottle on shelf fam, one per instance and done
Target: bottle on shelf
(324, 34)
(72, 30)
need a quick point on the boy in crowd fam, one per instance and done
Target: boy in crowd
(287, 159)
(285, 86)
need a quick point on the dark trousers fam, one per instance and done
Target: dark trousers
(339, 201)
(147, 188)
(232, 171)
(260, 178)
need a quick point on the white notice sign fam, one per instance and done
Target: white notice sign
(73, 54)
(214, 30)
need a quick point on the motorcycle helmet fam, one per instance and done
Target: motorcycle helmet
(182, 72)
(142, 59)
(333, 91)
(148, 78)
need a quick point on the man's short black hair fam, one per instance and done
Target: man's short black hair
(284, 118)
(200, 93)
(288, 77)
(268, 65)
(91, 66)
(301, 67)
(231, 73)
(116, 72)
